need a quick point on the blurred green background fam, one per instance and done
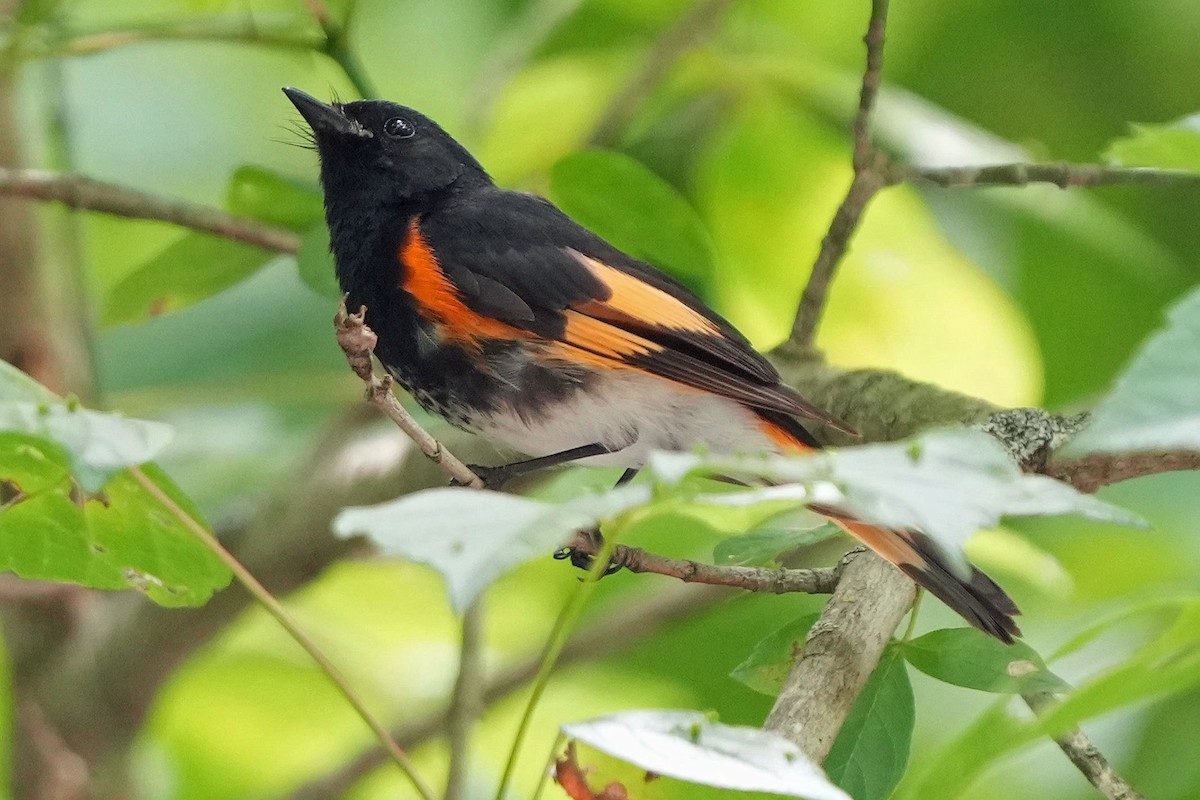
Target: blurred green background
(1022, 296)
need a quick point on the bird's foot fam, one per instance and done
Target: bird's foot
(582, 552)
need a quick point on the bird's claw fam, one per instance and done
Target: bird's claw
(494, 478)
(582, 554)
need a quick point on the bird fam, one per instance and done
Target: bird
(501, 314)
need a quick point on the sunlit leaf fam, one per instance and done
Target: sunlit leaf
(268, 196)
(689, 746)
(1156, 402)
(194, 267)
(474, 537)
(948, 484)
(1175, 145)
(119, 539)
(766, 668)
(639, 212)
(870, 753)
(966, 657)
(315, 262)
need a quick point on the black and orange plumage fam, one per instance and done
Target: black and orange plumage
(497, 311)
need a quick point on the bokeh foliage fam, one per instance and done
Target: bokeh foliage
(1022, 296)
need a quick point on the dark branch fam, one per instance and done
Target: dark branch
(91, 195)
(869, 177)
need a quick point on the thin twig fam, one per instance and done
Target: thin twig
(281, 615)
(466, 701)
(870, 168)
(611, 633)
(215, 30)
(358, 343)
(667, 50)
(753, 579)
(1063, 175)
(83, 193)
(1084, 754)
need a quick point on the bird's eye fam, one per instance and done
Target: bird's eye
(399, 128)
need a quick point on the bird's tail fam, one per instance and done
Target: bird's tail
(977, 597)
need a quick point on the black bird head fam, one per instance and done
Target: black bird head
(385, 153)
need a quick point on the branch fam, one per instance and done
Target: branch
(358, 343)
(752, 579)
(91, 195)
(669, 48)
(612, 633)
(840, 653)
(1089, 473)
(1084, 754)
(870, 175)
(1063, 175)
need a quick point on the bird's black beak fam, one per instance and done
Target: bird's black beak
(322, 117)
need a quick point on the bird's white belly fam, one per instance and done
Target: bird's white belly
(633, 414)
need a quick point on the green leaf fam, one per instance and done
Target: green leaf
(473, 537)
(1156, 402)
(689, 746)
(315, 262)
(762, 545)
(966, 657)
(1175, 145)
(120, 539)
(194, 267)
(639, 212)
(268, 196)
(98, 444)
(947, 483)
(766, 668)
(870, 754)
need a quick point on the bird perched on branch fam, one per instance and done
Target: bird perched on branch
(498, 312)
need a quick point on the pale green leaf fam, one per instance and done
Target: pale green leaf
(689, 746)
(1156, 402)
(473, 537)
(948, 484)
(762, 545)
(1175, 145)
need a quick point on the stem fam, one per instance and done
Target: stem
(276, 610)
(337, 48)
(870, 175)
(554, 646)
(466, 701)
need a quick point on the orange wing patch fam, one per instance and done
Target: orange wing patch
(438, 300)
(633, 299)
(595, 342)
(784, 439)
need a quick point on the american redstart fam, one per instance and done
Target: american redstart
(501, 314)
